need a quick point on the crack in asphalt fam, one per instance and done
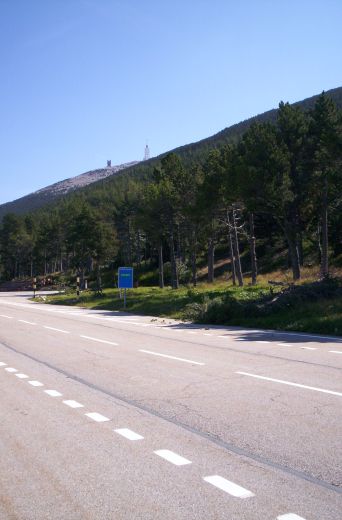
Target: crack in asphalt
(207, 436)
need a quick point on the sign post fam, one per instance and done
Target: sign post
(78, 286)
(34, 287)
(125, 280)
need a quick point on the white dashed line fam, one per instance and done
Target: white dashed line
(28, 322)
(73, 404)
(5, 316)
(129, 434)
(10, 369)
(290, 516)
(35, 383)
(171, 357)
(2, 364)
(262, 342)
(21, 376)
(97, 417)
(308, 348)
(289, 383)
(100, 340)
(335, 351)
(56, 330)
(191, 332)
(229, 487)
(172, 457)
(225, 337)
(53, 393)
(207, 334)
(284, 344)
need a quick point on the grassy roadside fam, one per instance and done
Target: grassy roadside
(311, 307)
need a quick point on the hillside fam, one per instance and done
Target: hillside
(54, 191)
(188, 153)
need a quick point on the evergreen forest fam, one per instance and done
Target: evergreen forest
(271, 200)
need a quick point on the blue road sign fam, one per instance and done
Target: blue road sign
(125, 277)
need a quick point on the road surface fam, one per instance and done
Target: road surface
(106, 415)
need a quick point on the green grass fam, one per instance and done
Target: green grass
(322, 316)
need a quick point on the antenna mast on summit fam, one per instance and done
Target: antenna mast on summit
(147, 153)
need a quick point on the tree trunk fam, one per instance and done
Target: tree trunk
(211, 260)
(174, 273)
(160, 265)
(252, 248)
(293, 250)
(231, 251)
(98, 279)
(300, 248)
(194, 259)
(325, 262)
(237, 252)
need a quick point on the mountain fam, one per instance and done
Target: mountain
(51, 193)
(194, 152)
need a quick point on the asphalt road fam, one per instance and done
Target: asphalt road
(112, 416)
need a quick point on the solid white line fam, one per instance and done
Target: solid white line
(97, 417)
(100, 340)
(12, 370)
(2, 364)
(129, 434)
(225, 337)
(172, 457)
(5, 316)
(35, 383)
(290, 516)
(73, 404)
(171, 357)
(57, 330)
(21, 376)
(53, 393)
(291, 384)
(336, 351)
(228, 486)
(28, 322)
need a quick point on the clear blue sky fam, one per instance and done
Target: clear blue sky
(83, 81)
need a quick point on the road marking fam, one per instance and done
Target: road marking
(191, 332)
(225, 337)
(28, 322)
(5, 316)
(100, 340)
(97, 417)
(336, 351)
(35, 383)
(73, 404)
(57, 330)
(2, 364)
(308, 348)
(291, 384)
(262, 342)
(171, 357)
(21, 376)
(172, 457)
(207, 334)
(290, 516)
(53, 393)
(10, 369)
(228, 486)
(285, 344)
(129, 434)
